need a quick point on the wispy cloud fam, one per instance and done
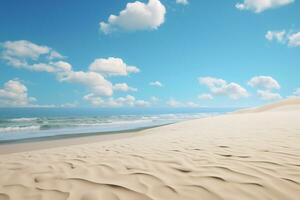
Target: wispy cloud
(178, 104)
(259, 6)
(183, 2)
(128, 100)
(205, 97)
(156, 84)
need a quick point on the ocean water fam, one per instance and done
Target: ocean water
(17, 124)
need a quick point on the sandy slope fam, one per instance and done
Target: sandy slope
(250, 155)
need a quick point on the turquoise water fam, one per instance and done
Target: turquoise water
(28, 123)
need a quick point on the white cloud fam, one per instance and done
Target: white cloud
(294, 39)
(123, 87)
(268, 95)
(25, 54)
(14, 94)
(136, 16)
(222, 88)
(291, 39)
(205, 97)
(183, 2)
(96, 82)
(279, 36)
(24, 49)
(128, 100)
(178, 104)
(264, 82)
(156, 84)
(297, 92)
(258, 6)
(112, 67)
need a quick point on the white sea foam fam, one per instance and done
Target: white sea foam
(18, 129)
(24, 119)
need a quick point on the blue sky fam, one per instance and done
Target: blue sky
(204, 53)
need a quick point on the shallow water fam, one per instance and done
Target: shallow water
(21, 123)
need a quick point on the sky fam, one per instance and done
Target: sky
(148, 53)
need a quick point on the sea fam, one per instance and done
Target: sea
(29, 124)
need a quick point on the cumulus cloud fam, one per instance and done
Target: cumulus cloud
(14, 94)
(259, 6)
(265, 85)
(220, 87)
(23, 48)
(178, 104)
(116, 102)
(96, 82)
(205, 97)
(156, 84)
(136, 16)
(292, 39)
(30, 56)
(112, 67)
(264, 82)
(183, 2)
(22, 53)
(123, 87)
(268, 95)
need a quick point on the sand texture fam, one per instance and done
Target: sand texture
(253, 155)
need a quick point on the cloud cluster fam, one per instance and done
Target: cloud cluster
(30, 56)
(259, 6)
(25, 54)
(14, 94)
(265, 85)
(116, 102)
(220, 87)
(136, 16)
(291, 39)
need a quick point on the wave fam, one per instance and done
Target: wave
(24, 119)
(19, 129)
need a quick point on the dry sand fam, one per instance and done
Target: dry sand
(254, 154)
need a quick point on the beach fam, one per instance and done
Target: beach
(249, 154)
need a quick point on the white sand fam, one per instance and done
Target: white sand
(254, 154)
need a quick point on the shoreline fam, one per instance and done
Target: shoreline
(33, 144)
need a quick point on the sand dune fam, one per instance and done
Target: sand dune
(249, 155)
